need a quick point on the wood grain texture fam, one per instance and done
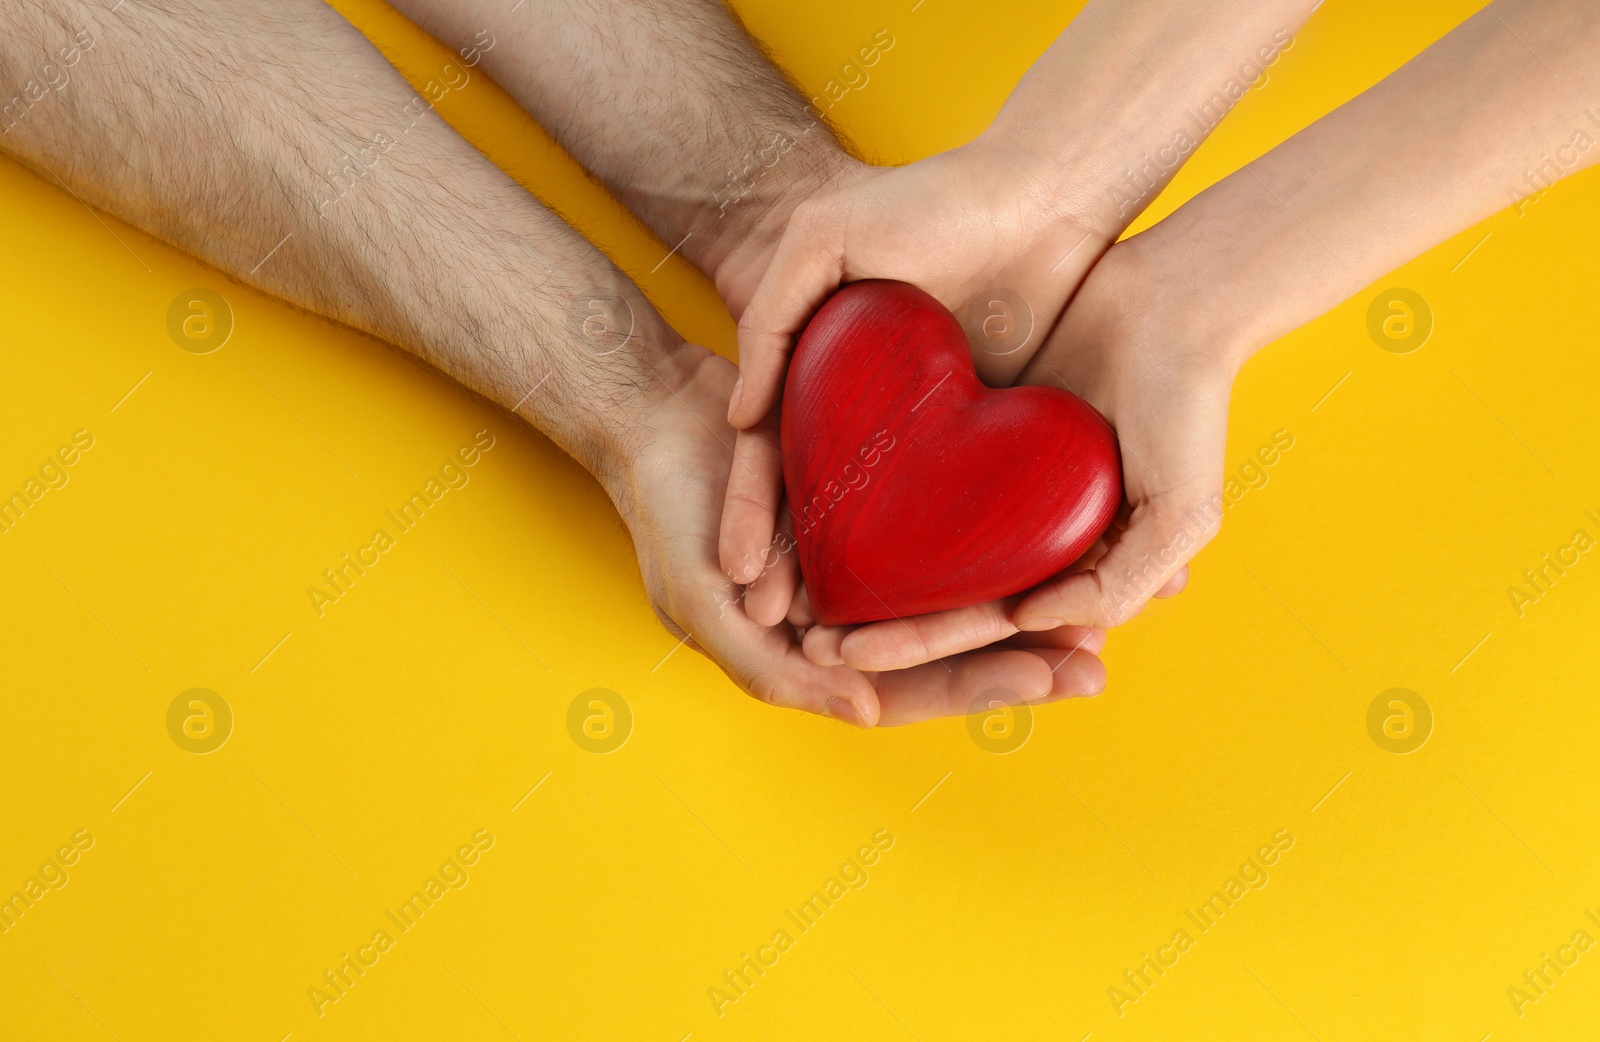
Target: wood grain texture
(913, 488)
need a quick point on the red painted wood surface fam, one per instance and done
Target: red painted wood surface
(913, 487)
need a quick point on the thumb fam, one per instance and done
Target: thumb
(1161, 537)
(807, 266)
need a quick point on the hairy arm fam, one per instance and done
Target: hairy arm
(668, 103)
(274, 142)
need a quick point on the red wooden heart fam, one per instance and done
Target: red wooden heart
(913, 487)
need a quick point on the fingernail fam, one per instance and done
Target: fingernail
(1033, 625)
(733, 399)
(839, 709)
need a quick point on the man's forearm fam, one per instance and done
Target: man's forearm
(1498, 109)
(274, 142)
(669, 104)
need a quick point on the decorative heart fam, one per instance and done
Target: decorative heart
(914, 488)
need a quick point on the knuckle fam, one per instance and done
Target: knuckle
(917, 643)
(985, 628)
(763, 505)
(753, 328)
(764, 687)
(1115, 605)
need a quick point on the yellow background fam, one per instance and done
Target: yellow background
(427, 703)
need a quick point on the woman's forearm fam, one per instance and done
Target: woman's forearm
(1498, 109)
(1128, 91)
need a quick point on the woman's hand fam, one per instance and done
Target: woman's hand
(1160, 328)
(962, 225)
(1132, 346)
(1003, 230)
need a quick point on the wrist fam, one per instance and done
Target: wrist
(643, 451)
(1241, 265)
(1126, 94)
(581, 354)
(741, 228)
(1161, 301)
(1078, 164)
(1047, 188)
(604, 360)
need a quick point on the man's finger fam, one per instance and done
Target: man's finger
(1175, 585)
(767, 662)
(965, 684)
(767, 600)
(750, 506)
(1074, 673)
(1073, 655)
(800, 614)
(822, 644)
(1063, 638)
